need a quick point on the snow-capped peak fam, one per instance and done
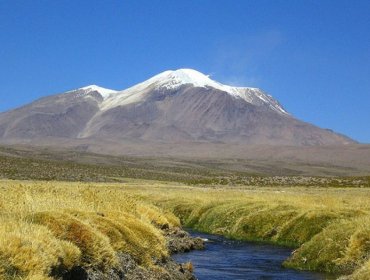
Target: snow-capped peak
(173, 79)
(104, 92)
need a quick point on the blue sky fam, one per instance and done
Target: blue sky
(313, 56)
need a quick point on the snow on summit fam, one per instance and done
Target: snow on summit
(173, 79)
(104, 92)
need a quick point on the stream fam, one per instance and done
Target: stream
(231, 259)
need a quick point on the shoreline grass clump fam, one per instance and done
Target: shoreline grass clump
(305, 226)
(29, 250)
(49, 228)
(96, 250)
(127, 234)
(342, 247)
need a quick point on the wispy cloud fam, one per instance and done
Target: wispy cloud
(237, 61)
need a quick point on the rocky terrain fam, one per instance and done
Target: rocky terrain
(178, 241)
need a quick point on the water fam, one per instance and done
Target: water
(230, 259)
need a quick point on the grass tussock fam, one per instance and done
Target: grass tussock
(94, 245)
(48, 228)
(342, 247)
(30, 250)
(127, 233)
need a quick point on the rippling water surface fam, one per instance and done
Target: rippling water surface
(230, 259)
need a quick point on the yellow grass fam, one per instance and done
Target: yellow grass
(49, 225)
(328, 226)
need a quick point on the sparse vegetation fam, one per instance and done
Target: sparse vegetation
(74, 166)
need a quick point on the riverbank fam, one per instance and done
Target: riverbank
(177, 241)
(328, 228)
(56, 230)
(95, 225)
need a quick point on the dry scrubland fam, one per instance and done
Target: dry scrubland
(46, 226)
